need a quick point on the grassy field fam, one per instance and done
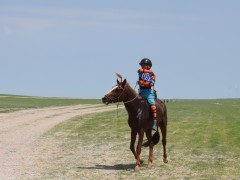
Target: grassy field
(10, 103)
(203, 142)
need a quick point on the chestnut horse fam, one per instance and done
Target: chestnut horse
(140, 120)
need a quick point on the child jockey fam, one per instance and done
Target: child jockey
(146, 81)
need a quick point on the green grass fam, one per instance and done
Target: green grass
(212, 123)
(10, 103)
(203, 142)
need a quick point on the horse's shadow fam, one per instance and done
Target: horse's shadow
(109, 167)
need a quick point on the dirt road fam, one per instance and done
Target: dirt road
(20, 130)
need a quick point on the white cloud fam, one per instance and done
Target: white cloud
(7, 29)
(34, 19)
(31, 19)
(33, 25)
(24, 24)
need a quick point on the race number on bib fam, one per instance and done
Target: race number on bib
(146, 77)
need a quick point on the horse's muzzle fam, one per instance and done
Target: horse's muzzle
(106, 100)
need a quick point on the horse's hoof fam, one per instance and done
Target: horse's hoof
(165, 160)
(149, 165)
(141, 161)
(136, 169)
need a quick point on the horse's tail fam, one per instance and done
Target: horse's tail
(155, 139)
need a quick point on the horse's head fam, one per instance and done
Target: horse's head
(116, 94)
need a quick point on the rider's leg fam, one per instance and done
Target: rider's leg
(151, 101)
(154, 113)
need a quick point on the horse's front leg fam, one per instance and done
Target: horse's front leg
(132, 143)
(139, 146)
(149, 137)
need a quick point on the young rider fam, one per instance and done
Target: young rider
(146, 83)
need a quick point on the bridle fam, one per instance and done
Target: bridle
(125, 102)
(123, 89)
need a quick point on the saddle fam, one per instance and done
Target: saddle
(155, 94)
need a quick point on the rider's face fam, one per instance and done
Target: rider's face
(145, 66)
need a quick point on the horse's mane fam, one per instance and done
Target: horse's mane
(131, 89)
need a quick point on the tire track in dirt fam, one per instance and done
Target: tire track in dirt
(21, 129)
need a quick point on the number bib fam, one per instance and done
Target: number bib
(146, 77)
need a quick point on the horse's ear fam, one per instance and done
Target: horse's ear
(124, 83)
(119, 76)
(118, 82)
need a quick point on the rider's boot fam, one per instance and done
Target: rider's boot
(154, 112)
(154, 127)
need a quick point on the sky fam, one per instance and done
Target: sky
(59, 48)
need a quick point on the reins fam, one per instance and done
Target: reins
(125, 101)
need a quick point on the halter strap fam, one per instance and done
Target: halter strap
(122, 94)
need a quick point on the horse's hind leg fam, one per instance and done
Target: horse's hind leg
(163, 128)
(149, 137)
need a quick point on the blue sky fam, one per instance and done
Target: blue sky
(57, 48)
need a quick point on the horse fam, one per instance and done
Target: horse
(140, 120)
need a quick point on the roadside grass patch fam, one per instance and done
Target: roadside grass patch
(9, 103)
